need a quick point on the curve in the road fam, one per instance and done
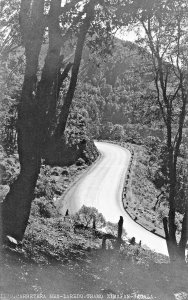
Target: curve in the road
(102, 186)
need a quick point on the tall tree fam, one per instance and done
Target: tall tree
(37, 111)
(163, 28)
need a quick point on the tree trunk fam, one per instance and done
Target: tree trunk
(184, 235)
(36, 111)
(46, 93)
(120, 230)
(94, 223)
(104, 243)
(177, 251)
(171, 243)
(89, 9)
(16, 207)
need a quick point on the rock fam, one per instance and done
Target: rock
(56, 171)
(65, 172)
(80, 162)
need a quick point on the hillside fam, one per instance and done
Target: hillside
(116, 92)
(68, 260)
(71, 228)
(114, 100)
(119, 97)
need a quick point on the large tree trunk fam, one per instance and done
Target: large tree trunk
(177, 251)
(33, 123)
(171, 239)
(38, 105)
(169, 242)
(16, 207)
(46, 93)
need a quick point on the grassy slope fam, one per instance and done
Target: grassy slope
(142, 197)
(60, 261)
(53, 258)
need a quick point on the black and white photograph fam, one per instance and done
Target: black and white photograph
(94, 149)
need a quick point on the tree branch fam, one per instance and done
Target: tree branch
(62, 77)
(158, 99)
(180, 128)
(89, 9)
(165, 225)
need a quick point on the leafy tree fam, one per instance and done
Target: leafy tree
(76, 130)
(117, 132)
(8, 133)
(90, 216)
(39, 124)
(106, 130)
(10, 35)
(164, 25)
(88, 100)
(125, 99)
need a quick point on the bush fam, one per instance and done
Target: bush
(9, 169)
(89, 216)
(117, 132)
(152, 143)
(43, 208)
(46, 186)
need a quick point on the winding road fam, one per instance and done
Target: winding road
(102, 186)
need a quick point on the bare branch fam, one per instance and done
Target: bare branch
(180, 127)
(158, 99)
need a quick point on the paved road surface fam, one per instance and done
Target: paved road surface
(102, 186)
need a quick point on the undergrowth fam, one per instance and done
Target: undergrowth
(54, 258)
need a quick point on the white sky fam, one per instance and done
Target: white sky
(127, 36)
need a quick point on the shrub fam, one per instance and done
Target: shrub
(88, 216)
(43, 208)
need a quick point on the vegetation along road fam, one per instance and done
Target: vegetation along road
(102, 186)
